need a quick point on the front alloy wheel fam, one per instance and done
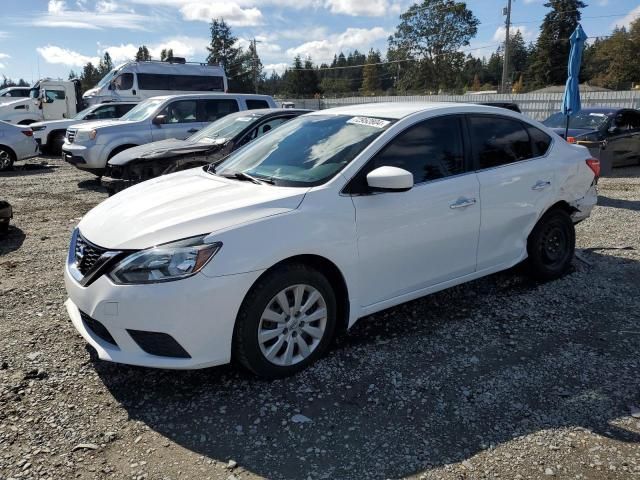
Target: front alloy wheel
(286, 322)
(6, 159)
(292, 325)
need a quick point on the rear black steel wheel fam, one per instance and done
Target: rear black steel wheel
(551, 245)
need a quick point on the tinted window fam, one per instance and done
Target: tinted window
(212, 110)
(429, 150)
(124, 81)
(180, 111)
(189, 83)
(540, 140)
(499, 141)
(122, 109)
(627, 120)
(255, 104)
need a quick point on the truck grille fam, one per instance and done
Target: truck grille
(86, 254)
(71, 134)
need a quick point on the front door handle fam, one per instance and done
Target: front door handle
(463, 202)
(540, 185)
(192, 130)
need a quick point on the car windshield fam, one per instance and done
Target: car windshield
(142, 110)
(586, 120)
(305, 151)
(106, 79)
(225, 128)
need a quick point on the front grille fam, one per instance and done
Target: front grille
(98, 329)
(87, 254)
(158, 343)
(71, 134)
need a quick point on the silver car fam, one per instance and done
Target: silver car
(16, 143)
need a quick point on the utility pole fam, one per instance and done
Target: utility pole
(254, 63)
(505, 64)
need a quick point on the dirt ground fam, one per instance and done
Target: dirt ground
(499, 378)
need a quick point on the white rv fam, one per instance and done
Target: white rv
(136, 81)
(48, 100)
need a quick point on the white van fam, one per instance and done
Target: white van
(136, 81)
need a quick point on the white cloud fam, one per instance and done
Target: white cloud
(192, 48)
(64, 56)
(629, 17)
(4, 55)
(205, 10)
(2, 65)
(371, 8)
(279, 68)
(603, 3)
(527, 34)
(107, 14)
(323, 50)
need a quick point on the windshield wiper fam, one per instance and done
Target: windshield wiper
(246, 177)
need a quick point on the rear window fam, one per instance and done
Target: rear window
(215, 109)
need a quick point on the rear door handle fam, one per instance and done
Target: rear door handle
(192, 130)
(463, 202)
(541, 185)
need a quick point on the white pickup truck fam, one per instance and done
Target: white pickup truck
(89, 146)
(48, 100)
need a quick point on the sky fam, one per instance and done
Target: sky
(48, 38)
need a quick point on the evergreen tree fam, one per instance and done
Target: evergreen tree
(105, 65)
(166, 54)
(549, 62)
(371, 73)
(222, 49)
(143, 54)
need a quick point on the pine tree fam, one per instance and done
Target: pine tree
(143, 54)
(371, 73)
(105, 65)
(549, 62)
(222, 49)
(166, 55)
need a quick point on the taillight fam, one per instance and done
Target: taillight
(571, 139)
(594, 164)
(28, 133)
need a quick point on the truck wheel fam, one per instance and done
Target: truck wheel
(7, 157)
(551, 245)
(56, 140)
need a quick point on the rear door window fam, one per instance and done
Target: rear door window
(498, 141)
(256, 104)
(122, 109)
(212, 110)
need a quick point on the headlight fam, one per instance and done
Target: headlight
(85, 135)
(165, 263)
(38, 128)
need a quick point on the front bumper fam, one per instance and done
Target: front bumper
(198, 313)
(83, 156)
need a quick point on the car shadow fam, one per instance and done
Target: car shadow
(92, 184)
(29, 168)
(605, 201)
(415, 387)
(12, 240)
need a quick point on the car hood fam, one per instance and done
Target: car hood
(56, 123)
(99, 124)
(162, 149)
(574, 132)
(182, 205)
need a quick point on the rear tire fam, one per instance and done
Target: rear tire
(7, 157)
(274, 342)
(551, 245)
(55, 142)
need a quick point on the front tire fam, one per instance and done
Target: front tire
(551, 245)
(286, 322)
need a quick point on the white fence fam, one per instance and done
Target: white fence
(535, 105)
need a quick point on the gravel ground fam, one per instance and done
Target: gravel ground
(499, 378)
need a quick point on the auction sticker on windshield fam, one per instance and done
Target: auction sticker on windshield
(371, 122)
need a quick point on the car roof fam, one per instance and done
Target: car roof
(398, 110)
(267, 111)
(212, 95)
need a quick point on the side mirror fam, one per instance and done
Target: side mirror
(160, 120)
(390, 179)
(48, 100)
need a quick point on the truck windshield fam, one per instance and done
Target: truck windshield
(106, 79)
(225, 128)
(142, 111)
(305, 151)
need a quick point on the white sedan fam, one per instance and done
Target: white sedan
(333, 216)
(16, 143)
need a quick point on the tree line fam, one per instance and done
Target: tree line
(427, 53)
